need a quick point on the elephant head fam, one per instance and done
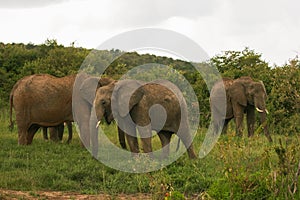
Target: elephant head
(117, 99)
(245, 92)
(115, 93)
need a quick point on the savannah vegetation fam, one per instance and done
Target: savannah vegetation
(236, 168)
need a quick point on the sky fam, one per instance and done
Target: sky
(271, 28)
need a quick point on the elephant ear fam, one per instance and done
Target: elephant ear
(90, 85)
(264, 88)
(88, 89)
(105, 81)
(237, 93)
(129, 93)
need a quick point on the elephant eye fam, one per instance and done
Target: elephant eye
(103, 102)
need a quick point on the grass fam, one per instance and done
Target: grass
(236, 168)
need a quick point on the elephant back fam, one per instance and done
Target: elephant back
(44, 99)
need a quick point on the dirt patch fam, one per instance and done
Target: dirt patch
(11, 194)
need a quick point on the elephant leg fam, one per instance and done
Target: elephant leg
(225, 126)
(126, 126)
(121, 135)
(250, 120)
(53, 134)
(93, 134)
(60, 131)
(45, 134)
(239, 115)
(22, 131)
(216, 126)
(239, 125)
(263, 119)
(82, 115)
(84, 127)
(23, 127)
(147, 145)
(69, 124)
(165, 138)
(31, 132)
(22, 139)
(146, 137)
(186, 139)
(133, 143)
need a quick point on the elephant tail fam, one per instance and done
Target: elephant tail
(11, 126)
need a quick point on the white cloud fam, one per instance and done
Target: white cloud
(269, 27)
(27, 3)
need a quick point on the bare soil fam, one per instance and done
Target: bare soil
(30, 195)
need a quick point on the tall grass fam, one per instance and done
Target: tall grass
(236, 168)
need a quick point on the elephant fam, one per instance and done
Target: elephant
(110, 103)
(82, 102)
(56, 133)
(243, 95)
(42, 100)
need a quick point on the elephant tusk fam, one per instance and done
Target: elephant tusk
(98, 124)
(259, 110)
(267, 111)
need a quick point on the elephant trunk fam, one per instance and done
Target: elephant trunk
(263, 120)
(260, 106)
(99, 114)
(94, 132)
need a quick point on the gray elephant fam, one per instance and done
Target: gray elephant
(243, 95)
(133, 104)
(42, 100)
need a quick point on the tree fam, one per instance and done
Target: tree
(235, 64)
(284, 97)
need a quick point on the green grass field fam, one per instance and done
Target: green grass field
(236, 168)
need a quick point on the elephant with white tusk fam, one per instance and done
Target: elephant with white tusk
(243, 95)
(157, 105)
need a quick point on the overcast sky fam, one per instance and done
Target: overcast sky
(270, 27)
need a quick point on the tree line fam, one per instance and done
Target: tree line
(282, 82)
